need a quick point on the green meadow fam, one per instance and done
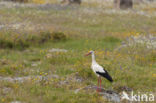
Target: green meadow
(31, 36)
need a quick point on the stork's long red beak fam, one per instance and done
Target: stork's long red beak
(88, 54)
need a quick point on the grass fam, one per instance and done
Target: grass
(25, 52)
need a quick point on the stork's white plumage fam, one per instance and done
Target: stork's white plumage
(99, 70)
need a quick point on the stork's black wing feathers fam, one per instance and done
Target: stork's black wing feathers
(105, 75)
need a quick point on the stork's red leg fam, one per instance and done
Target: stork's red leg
(98, 85)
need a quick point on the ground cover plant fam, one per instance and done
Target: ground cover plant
(48, 42)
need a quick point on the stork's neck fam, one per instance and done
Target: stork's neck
(93, 58)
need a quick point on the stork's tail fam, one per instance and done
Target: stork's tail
(105, 75)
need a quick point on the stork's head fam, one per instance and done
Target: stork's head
(90, 52)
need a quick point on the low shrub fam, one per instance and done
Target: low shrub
(21, 41)
(56, 36)
(21, 1)
(5, 43)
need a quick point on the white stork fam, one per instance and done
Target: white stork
(99, 70)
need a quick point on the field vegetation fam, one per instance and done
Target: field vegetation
(50, 39)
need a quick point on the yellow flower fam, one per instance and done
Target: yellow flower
(2, 99)
(39, 1)
(136, 56)
(137, 34)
